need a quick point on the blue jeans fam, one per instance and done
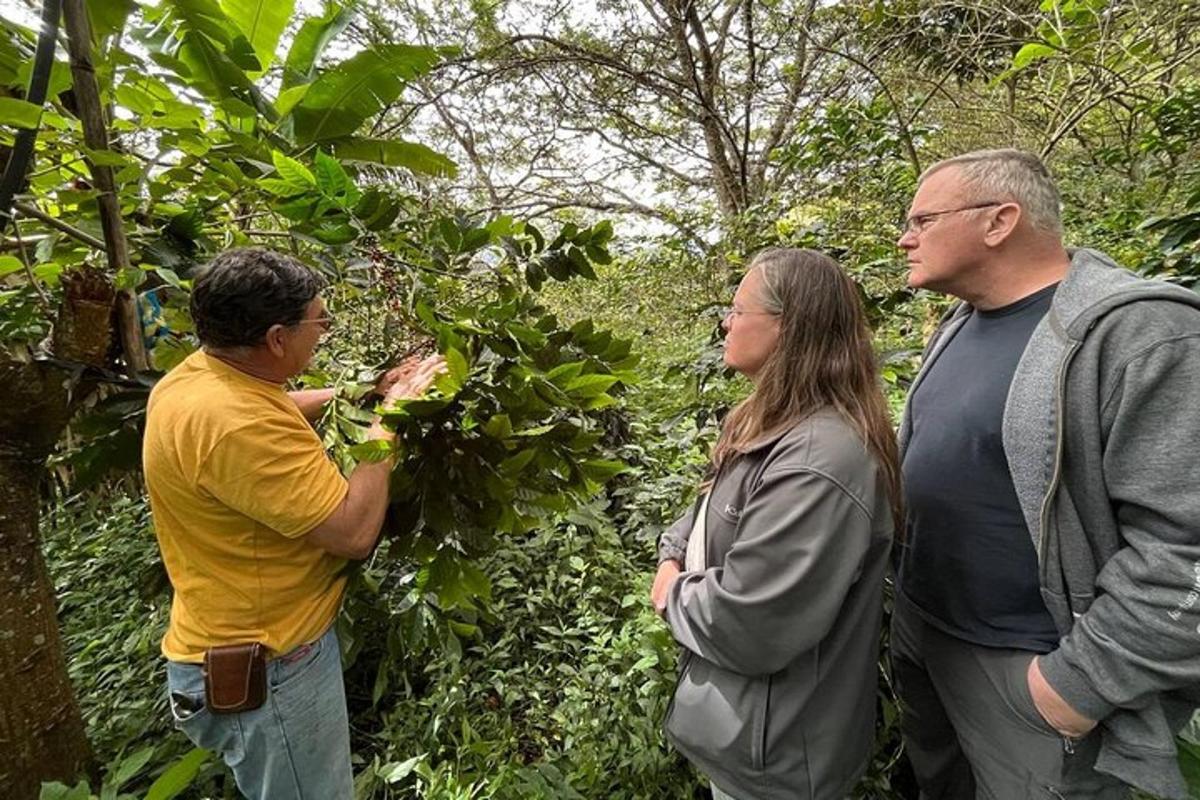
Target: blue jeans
(296, 745)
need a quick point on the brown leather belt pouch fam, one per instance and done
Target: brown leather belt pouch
(235, 678)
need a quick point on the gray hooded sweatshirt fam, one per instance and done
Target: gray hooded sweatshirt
(1102, 435)
(776, 696)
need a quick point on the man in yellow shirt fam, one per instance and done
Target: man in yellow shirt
(255, 524)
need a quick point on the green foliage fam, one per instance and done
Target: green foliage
(310, 42)
(261, 22)
(19, 114)
(177, 778)
(557, 696)
(394, 153)
(342, 98)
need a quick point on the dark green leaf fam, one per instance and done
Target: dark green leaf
(538, 239)
(58, 791)
(261, 22)
(108, 17)
(132, 765)
(19, 114)
(579, 260)
(333, 181)
(178, 776)
(292, 170)
(335, 233)
(456, 366)
(376, 210)
(204, 17)
(1031, 52)
(475, 582)
(342, 99)
(563, 373)
(475, 239)
(601, 470)
(311, 40)
(590, 385)
(395, 153)
(9, 265)
(451, 235)
(597, 253)
(417, 407)
(242, 54)
(372, 451)
(513, 465)
(499, 427)
(209, 70)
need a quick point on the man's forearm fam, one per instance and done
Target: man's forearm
(352, 530)
(369, 491)
(311, 402)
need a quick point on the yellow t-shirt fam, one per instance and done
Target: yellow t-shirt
(236, 477)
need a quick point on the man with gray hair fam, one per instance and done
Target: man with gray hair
(1046, 637)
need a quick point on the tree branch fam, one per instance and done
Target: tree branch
(47, 306)
(36, 213)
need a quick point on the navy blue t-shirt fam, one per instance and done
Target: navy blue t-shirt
(969, 567)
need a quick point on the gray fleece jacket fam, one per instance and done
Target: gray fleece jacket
(776, 696)
(1102, 432)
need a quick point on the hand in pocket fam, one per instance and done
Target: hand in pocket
(1053, 708)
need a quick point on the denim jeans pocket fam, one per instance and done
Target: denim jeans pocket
(293, 665)
(189, 713)
(186, 706)
(185, 693)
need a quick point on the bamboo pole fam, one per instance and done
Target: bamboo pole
(95, 135)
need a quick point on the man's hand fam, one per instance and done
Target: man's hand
(668, 571)
(388, 378)
(410, 379)
(1053, 708)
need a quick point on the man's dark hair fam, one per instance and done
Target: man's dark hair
(241, 293)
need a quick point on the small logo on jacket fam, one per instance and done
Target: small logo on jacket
(1190, 598)
(731, 511)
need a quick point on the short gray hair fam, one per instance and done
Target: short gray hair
(1013, 176)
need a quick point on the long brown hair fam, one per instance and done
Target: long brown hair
(823, 358)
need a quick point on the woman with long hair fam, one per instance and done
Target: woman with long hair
(773, 583)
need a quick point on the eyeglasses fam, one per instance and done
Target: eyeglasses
(326, 322)
(918, 223)
(735, 312)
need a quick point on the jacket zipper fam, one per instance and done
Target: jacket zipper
(762, 734)
(684, 663)
(1059, 437)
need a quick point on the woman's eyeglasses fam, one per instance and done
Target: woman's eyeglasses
(735, 312)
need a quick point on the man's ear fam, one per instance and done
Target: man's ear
(274, 340)
(1003, 221)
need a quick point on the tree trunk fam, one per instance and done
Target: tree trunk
(42, 735)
